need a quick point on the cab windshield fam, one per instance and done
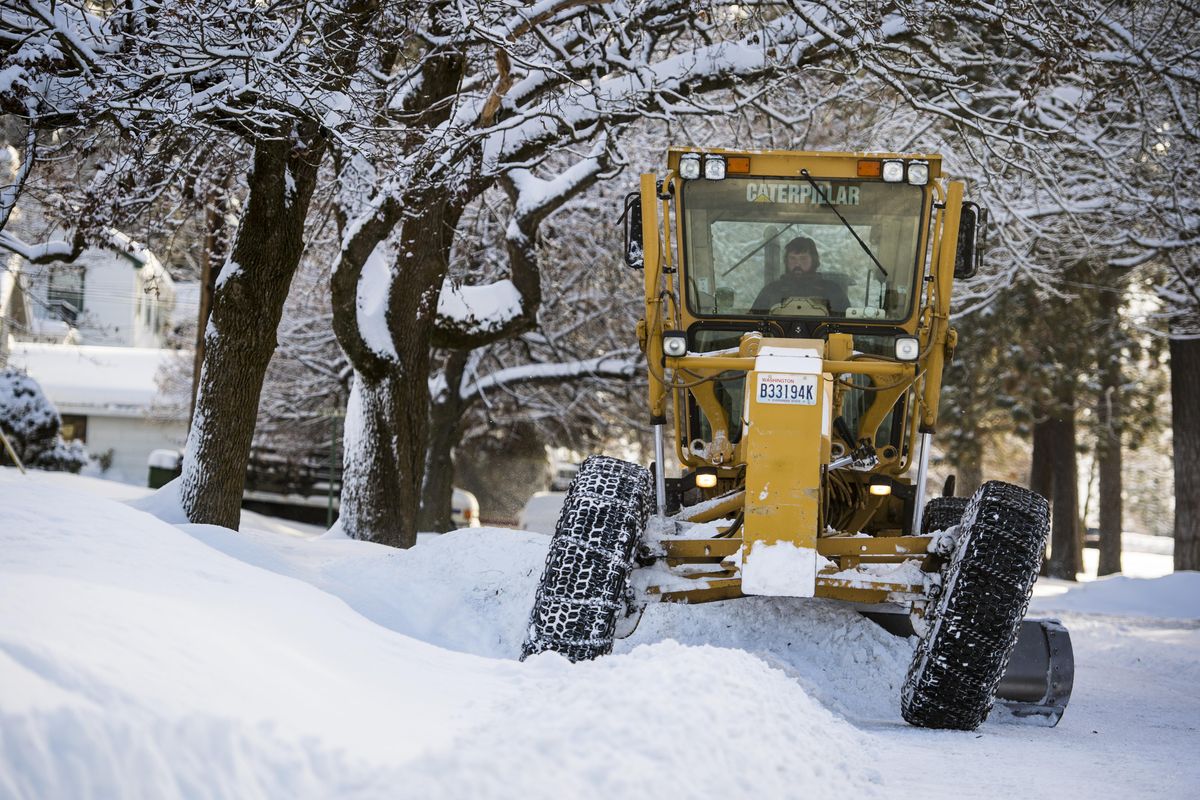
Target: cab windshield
(771, 247)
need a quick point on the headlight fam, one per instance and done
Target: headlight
(907, 348)
(918, 173)
(689, 166)
(893, 171)
(675, 344)
(714, 168)
(880, 486)
(706, 477)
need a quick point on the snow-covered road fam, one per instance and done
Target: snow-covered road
(142, 659)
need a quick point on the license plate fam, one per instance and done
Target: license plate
(780, 387)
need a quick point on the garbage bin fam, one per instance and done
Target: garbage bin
(165, 466)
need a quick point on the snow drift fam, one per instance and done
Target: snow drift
(144, 659)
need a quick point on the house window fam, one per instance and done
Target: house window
(65, 294)
(74, 426)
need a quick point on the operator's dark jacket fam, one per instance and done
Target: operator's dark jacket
(801, 284)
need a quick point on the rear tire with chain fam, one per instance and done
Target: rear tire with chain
(972, 626)
(943, 513)
(584, 584)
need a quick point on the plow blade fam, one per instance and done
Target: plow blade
(1037, 682)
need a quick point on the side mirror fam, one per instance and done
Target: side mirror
(631, 221)
(972, 238)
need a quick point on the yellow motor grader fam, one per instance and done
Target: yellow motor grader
(796, 329)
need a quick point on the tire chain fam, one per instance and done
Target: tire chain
(973, 625)
(943, 513)
(583, 585)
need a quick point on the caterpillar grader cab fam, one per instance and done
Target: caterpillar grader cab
(796, 330)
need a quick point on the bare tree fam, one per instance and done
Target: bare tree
(273, 76)
(427, 106)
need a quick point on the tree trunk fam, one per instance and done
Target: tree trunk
(1064, 536)
(1041, 468)
(445, 432)
(384, 451)
(1041, 471)
(240, 337)
(253, 285)
(213, 252)
(1185, 421)
(970, 468)
(1108, 441)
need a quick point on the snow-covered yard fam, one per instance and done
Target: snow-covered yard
(144, 659)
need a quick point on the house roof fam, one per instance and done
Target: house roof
(99, 381)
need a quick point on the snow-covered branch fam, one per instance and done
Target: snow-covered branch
(45, 252)
(621, 365)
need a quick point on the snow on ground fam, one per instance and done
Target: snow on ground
(144, 659)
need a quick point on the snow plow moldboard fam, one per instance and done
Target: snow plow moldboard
(1037, 682)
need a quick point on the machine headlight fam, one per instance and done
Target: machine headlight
(706, 477)
(907, 348)
(893, 171)
(918, 173)
(714, 167)
(689, 166)
(675, 344)
(881, 486)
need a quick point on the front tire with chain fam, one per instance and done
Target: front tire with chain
(973, 624)
(583, 586)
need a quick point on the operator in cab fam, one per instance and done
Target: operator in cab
(801, 281)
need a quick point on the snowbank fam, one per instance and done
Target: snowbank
(144, 659)
(1174, 596)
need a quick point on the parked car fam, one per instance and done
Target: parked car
(540, 513)
(563, 475)
(464, 509)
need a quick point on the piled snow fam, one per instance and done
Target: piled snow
(144, 659)
(849, 664)
(479, 308)
(371, 299)
(414, 592)
(780, 569)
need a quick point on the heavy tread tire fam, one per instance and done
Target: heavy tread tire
(591, 556)
(942, 513)
(973, 624)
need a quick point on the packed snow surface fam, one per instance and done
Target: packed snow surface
(140, 658)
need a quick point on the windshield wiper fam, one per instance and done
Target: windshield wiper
(825, 200)
(766, 242)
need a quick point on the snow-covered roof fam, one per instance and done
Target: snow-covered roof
(107, 381)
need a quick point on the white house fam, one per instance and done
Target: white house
(121, 297)
(92, 332)
(109, 398)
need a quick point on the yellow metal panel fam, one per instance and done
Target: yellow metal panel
(786, 445)
(708, 591)
(652, 275)
(938, 355)
(700, 548)
(907, 546)
(858, 591)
